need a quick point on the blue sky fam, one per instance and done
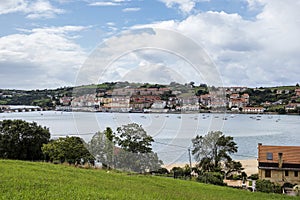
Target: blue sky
(47, 43)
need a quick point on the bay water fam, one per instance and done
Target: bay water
(173, 132)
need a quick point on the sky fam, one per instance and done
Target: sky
(57, 43)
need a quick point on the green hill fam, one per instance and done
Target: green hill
(29, 180)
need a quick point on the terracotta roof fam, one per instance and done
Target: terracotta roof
(290, 154)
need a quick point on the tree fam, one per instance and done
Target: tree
(136, 152)
(128, 149)
(192, 83)
(133, 138)
(101, 147)
(231, 167)
(69, 149)
(211, 149)
(22, 140)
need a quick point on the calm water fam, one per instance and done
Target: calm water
(173, 132)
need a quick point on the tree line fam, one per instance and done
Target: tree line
(129, 148)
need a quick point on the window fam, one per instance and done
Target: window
(269, 156)
(268, 173)
(296, 173)
(286, 173)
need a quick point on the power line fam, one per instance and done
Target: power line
(248, 156)
(167, 144)
(57, 135)
(170, 151)
(175, 145)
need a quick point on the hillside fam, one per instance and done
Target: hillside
(28, 180)
(136, 97)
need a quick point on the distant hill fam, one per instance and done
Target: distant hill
(281, 99)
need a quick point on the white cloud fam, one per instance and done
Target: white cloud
(263, 51)
(185, 6)
(43, 57)
(105, 3)
(109, 3)
(149, 55)
(32, 9)
(255, 4)
(131, 9)
(111, 24)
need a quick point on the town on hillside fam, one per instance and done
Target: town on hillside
(155, 98)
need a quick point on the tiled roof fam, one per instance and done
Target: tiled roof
(290, 154)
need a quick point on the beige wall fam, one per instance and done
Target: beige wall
(278, 176)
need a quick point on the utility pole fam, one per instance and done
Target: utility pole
(190, 159)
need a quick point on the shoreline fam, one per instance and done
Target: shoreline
(182, 112)
(250, 166)
(93, 110)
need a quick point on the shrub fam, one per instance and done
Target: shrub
(288, 185)
(215, 178)
(267, 186)
(236, 177)
(253, 176)
(161, 171)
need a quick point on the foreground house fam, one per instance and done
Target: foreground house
(279, 164)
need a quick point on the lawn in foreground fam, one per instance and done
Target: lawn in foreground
(31, 180)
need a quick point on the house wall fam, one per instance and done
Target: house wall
(278, 176)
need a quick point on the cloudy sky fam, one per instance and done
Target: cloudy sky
(52, 43)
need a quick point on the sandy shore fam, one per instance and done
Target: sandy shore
(250, 166)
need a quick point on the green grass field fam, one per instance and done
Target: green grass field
(29, 180)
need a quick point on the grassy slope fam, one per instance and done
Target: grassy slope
(27, 180)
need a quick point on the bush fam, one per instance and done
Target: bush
(236, 177)
(215, 178)
(267, 186)
(161, 171)
(22, 140)
(253, 176)
(288, 185)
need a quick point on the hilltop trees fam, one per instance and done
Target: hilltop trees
(22, 140)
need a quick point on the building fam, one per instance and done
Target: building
(65, 101)
(279, 164)
(141, 102)
(297, 91)
(231, 90)
(253, 109)
(292, 106)
(239, 101)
